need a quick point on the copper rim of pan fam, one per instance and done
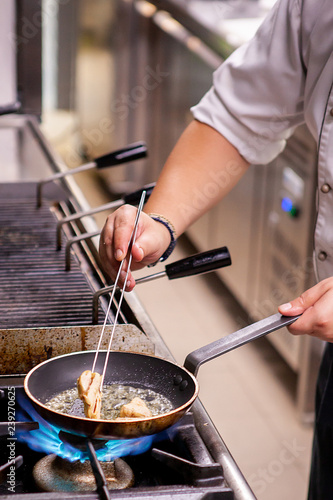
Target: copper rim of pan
(179, 409)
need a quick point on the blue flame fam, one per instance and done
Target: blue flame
(46, 439)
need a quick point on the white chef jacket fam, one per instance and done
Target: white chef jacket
(281, 78)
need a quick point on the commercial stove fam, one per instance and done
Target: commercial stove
(47, 310)
(51, 304)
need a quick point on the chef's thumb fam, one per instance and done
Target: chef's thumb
(296, 306)
(137, 252)
(147, 249)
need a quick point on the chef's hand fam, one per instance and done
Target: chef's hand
(152, 240)
(316, 307)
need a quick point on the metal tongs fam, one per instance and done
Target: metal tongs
(132, 240)
(76, 408)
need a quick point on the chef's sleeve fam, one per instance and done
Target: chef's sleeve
(257, 97)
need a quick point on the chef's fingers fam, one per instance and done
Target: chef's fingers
(111, 266)
(152, 239)
(307, 299)
(109, 263)
(123, 222)
(114, 241)
(316, 307)
(151, 242)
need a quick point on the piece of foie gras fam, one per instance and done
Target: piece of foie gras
(89, 389)
(135, 409)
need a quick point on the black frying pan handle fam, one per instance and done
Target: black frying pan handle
(135, 197)
(131, 152)
(252, 332)
(198, 264)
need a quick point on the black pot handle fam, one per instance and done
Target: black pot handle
(198, 264)
(131, 152)
(236, 339)
(190, 266)
(135, 197)
(10, 108)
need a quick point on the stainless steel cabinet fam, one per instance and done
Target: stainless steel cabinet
(235, 222)
(267, 222)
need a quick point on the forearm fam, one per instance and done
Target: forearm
(202, 168)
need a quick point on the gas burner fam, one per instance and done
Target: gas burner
(53, 473)
(80, 442)
(175, 464)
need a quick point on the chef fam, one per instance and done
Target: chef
(280, 79)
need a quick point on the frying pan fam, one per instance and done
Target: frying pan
(175, 382)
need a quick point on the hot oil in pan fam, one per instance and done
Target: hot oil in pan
(114, 396)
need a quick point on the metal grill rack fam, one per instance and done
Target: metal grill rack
(35, 288)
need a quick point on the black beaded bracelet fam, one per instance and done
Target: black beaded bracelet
(170, 227)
